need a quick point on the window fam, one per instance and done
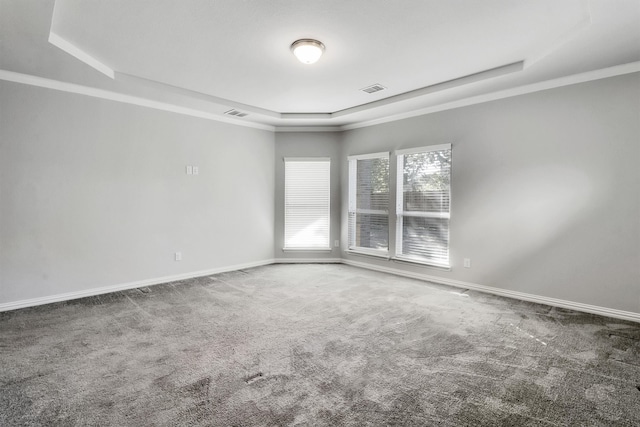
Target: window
(369, 203)
(422, 205)
(306, 203)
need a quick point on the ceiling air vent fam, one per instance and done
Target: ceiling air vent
(234, 112)
(373, 88)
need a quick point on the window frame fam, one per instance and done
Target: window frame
(353, 209)
(401, 214)
(287, 204)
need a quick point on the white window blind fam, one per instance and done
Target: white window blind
(369, 203)
(422, 205)
(306, 203)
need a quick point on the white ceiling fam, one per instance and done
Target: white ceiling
(217, 55)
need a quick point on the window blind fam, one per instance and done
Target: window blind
(368, 221)
(307, 203)
(422, 204)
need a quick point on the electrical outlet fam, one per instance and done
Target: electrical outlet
(196, 170)
(178, 256)
(467, 263)
(336, 243)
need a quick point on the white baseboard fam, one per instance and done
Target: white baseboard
(125, 286)
(593, 309)
(307, 261)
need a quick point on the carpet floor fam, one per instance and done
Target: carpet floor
(314, 345)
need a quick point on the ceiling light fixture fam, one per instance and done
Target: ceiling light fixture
(307, 51)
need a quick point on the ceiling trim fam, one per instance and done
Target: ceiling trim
(225, 103)
(308, 128)
(423, 91)
(121, 97)
(359, 112)
(438, 87)
(325, 116)
(31, 80)
(603, 73)
(80, 54)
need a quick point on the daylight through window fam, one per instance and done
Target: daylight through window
(369, 203)
(422, 204)
(306, 203)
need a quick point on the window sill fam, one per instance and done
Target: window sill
(306, 249)
(370, 253)
(444, 267)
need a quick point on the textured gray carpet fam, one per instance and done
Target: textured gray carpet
(320, 345)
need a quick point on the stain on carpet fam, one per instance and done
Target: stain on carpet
(253, 378)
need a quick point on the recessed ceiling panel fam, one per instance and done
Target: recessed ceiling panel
(239, 50)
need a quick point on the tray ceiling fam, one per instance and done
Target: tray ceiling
(221, 55)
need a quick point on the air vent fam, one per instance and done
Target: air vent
(373, 88)
(234, 112)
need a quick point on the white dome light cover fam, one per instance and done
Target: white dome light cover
(307, 51)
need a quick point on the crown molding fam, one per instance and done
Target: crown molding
(123, 98)
(308, 128)
(603, 73)
(224, 104)
(32, 80)
(80, 54)
(438, 87)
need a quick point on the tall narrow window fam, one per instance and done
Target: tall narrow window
(306, 203)
(369, 203)
(422, 204)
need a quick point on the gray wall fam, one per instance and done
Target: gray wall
(94, 193)
(305, 144)
(545, 190)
